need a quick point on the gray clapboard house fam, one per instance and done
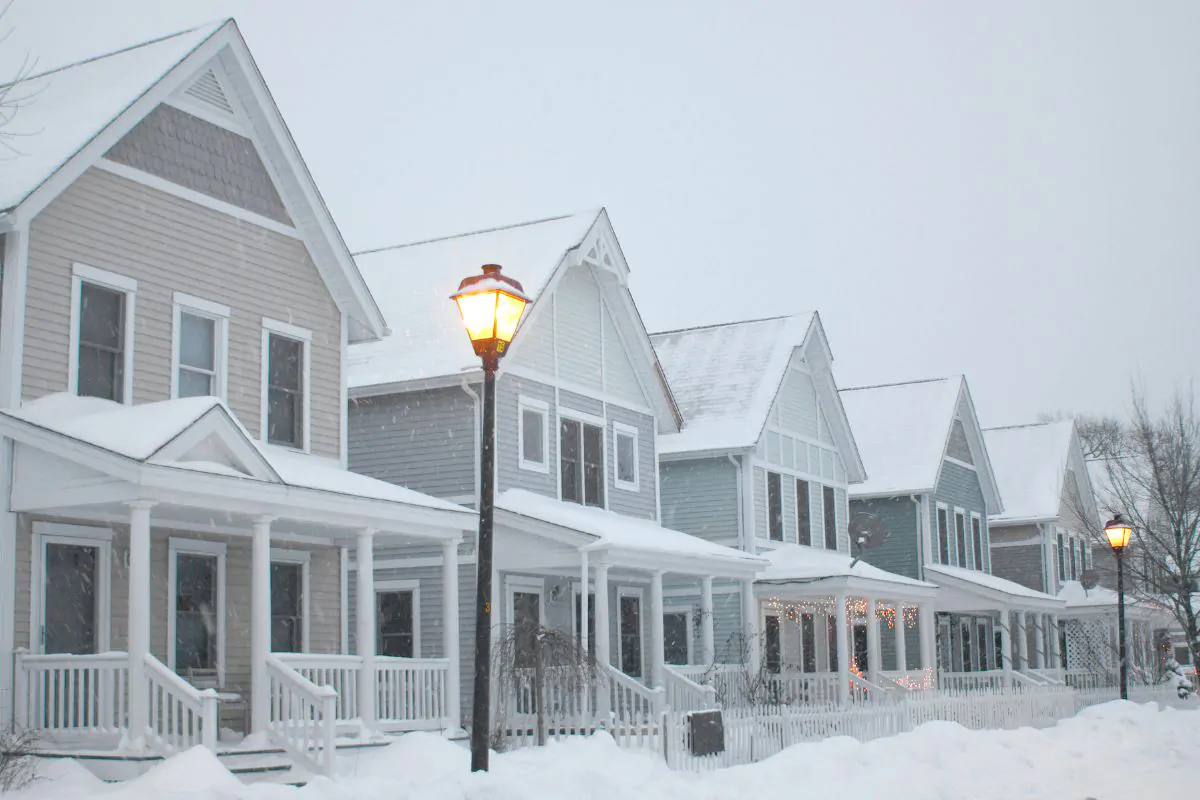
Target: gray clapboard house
(177, 310)
(1044, 540)
(764, 462)
(932, 486)
(581, 400)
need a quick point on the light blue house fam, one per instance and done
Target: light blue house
(764, 462)
(932, 488)
(581, 401)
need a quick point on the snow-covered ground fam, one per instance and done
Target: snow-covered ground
(1118, 751)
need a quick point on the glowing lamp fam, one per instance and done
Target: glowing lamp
(1118, 532)
(491, 305)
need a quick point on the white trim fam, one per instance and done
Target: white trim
(81, 273)
(14, 257)
(219, 314)
(82, 536)
(524, 585)
(344, 598)
(344, 391)
(192, 196)
(395, 586)
(524, 404)
(411, 563)
(960, 559)
(687, 611)
(620, 429)
(217, 550)
(984, 546)
(518, 371)
(962, 464)
(195, 108)
(304, 559)
(640, 594)
(575, 586)
(304, 336)
(581, 416)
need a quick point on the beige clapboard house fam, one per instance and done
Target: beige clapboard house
(177, 309)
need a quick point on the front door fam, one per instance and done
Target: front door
(527, 617)
(70, 599)
(629, 622)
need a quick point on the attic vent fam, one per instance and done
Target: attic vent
(207, 89)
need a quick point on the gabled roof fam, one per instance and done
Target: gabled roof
(1030, 463)
(414, 281)
(726, 377)
(955, 582)
(902, 430)
(70, 116)
(796, 563)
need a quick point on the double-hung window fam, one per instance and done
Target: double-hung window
(829, 507)
(803, 514)
(1074, 559)
(535, 444)
(960, 538)
(943, 534)
(286, 370)
(977, 538)
(581, 457)
(625, 449)
(200, 347)
(774, 507)
(397, 610)
(102, 314)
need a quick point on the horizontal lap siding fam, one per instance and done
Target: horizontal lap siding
(898, 551)
(700, 497)
(1021, 564)
(422, 440)
(509, 474)
(168, 244)
(642, 502)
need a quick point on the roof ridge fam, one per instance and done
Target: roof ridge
(729, 324)
(470, 233)
(119, 51)
(1028, 425)
(896, 383)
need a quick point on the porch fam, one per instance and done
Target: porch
(225, 561)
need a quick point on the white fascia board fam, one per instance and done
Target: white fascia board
(416, 385)
(696, 455)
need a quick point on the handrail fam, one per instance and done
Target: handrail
(180, 714)
(632, 701)
(339, 672)
(1021, 678)
(684, 694)
(303, 718)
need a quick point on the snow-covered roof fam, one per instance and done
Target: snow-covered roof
(141, 432)
(413, 282)
(1030, 463)
(901, 430)
(794, 562)
(64, 108)
(1075, 596)
(620, 532)
(944, 575)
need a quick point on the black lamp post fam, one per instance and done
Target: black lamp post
(1118, 532)
(491, 305)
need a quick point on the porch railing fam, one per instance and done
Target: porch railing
(302, 717)
(181, 715)
(72, 694)
(632, 702)
(411, 693)
(684, 694)
(971, 681)
(338, 672)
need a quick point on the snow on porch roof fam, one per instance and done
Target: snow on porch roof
(622, 532)
(1030, 462)
(412, 284)
(725, 378)
(794, 562)
(901, 430)
(62, 109)
(139, 432)
(988, 582)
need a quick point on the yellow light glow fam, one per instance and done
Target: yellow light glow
(1118, 532)
(508, 314)
(478, 313)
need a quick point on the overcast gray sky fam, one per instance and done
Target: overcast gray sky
(1009, 190)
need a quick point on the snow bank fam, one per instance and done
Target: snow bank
(1118, 751)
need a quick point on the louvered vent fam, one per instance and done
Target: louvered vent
(207, 89)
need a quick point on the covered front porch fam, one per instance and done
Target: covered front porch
(1089, 636)
(187, 586)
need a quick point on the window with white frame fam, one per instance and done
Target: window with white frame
(289, 600)
(774, 507)
(943, 534)
(960, 538)
(1062, 555)
(803, 513)
(196, 610)
(200, 347)
(102, 316)
(532, 422)
(828, 500)
(677, 635)
(977, 539)
(625, 458)
(581, 457)
(286, 370)
(1074, 553)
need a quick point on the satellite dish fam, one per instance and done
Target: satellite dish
(1089, 579)
(866, 531)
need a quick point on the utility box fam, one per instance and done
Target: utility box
(706, 733)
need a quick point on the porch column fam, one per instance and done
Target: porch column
(750, 627)
(1022, 641)
(901, 640)
(927, 631)
(708, 655)
(1055, 649)
(873, 644)
(585, 643)
(843, 650)
(260, 624)
(366, 626)
(656, 629)
(602, 641)
(139, 619)
(1039, 640)
(450, 630)
(1006, 646)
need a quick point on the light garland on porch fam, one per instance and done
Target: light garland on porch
(856, 610)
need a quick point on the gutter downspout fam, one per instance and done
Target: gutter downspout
(466, 387)
(741, 532)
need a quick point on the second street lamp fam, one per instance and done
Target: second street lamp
(1118, 533)
(491, 306)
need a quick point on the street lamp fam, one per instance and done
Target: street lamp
(491, 306)
(1118, 532)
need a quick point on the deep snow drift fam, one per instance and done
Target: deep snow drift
(1118, 751)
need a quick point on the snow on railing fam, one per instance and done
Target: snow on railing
(684, 694)
(80, 694)
(181, 715)
(302, 717)
(411, 693)
(636, 709)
